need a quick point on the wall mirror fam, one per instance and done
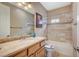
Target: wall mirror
(16, 18)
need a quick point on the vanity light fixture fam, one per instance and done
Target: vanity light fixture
(25, 6)
(19, 4)
(29, 5)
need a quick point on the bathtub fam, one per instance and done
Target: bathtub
(61, 49)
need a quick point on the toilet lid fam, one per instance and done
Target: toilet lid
(49, 46)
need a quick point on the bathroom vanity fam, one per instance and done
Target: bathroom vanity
(29, 47)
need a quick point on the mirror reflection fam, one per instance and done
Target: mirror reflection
(16, 18)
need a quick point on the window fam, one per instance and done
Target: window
(55, 21)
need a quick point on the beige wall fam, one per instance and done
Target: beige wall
(77, 24)
(4, 20)
(62, 31)
(41, 10)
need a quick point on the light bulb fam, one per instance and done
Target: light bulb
(19, 4)
(29, 5)
(26, 7)
(23, 3)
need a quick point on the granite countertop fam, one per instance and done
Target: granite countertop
(18, 45)
(11, 38)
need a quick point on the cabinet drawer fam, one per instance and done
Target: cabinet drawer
(41, 52)
(42, 43)
(33, 48)
(22, 54)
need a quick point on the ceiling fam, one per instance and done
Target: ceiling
(54, 5)
(30, 10)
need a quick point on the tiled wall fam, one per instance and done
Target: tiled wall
(61, 31)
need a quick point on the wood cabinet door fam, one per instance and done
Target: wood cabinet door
(33, 49)
(22, 54)
(41, 52)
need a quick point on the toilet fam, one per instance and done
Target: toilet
(49, 49)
